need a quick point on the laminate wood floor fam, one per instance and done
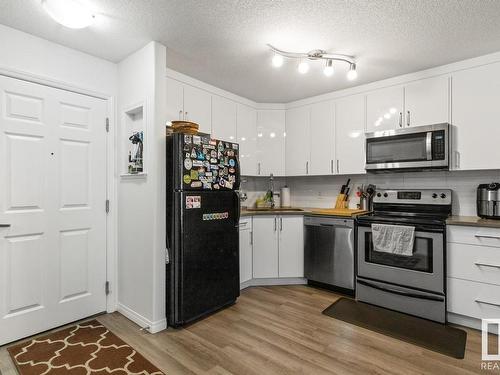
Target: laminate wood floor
(280, 330)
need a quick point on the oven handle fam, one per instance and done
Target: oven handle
(400, 292)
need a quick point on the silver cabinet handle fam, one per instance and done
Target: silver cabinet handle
(307, 167)
(457, 159)
(331, 165)
(180, 114)
(281, 223)
(275, 223)
(4, 225)
(258, 169)
(185, 116)
(487, 303)
(487, 236)
(481, 264)
(400, 119)
(338, 166)
(251, 238)
(407, 118)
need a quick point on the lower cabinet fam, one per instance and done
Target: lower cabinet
(246, 249)
(278, 246)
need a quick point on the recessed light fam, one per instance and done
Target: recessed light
(277, 60)
(69, 13)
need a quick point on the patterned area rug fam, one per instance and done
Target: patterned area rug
(86, 348)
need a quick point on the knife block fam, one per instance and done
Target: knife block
(341, 201)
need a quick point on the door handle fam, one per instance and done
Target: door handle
(251, 238)
(481, 264)
(400, 119)
(331, 165)
(4, 225)
(400, 292)
(281, 224)
(258, 167)
(487, 303)
(185, 116)
(487, 236)
(307, 167)
(338, 166)
(407, 118)
(180, 114)
(275, 223)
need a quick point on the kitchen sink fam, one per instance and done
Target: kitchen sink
(260, 209)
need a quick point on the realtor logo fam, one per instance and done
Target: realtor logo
(488, 325)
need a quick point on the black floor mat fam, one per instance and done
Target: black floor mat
(430, 335)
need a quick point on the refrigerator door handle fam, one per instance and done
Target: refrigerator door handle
(238, 209)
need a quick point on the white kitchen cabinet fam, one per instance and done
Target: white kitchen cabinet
(322, 138)
(349, 135)
(246, 257)
(246, 129)
(198, 107)
(427, 101)
(291, 246)
(175, 100)
(475, 117)
(297, 152)
(384, 109)
(271, 142)
(223, 119)
(265, 247)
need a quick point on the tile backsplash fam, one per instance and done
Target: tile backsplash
(321, 191)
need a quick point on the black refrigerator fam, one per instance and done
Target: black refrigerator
(203, 212)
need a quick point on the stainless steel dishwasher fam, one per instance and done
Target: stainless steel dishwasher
(329, 252)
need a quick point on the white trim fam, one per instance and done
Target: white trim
(463, 320)
(111, 181)
(274, 281)
(133, 176)
(148, 325)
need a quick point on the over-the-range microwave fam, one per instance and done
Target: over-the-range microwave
(415, 148)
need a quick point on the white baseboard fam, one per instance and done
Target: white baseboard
(467, 321)
(148, 325)
(274, 281)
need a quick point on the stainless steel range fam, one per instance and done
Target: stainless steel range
(414, 282)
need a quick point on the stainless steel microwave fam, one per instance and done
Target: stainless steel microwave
(416, 148)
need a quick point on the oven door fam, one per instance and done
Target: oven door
(424, 147)
(423, 270)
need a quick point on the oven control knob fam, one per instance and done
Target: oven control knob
(379, 195)
(443, 195)
(434, 195)
(385, 195)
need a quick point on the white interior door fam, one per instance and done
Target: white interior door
(52, 193)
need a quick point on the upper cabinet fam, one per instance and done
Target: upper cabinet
(223, 119)
(297, 154)
(198, 107)
(423, 102)
(384, 109)
(349, 135)
(246, 129)
(271, 142)
(427, 101)
(185, 102)
(475, 117)
(322, 144)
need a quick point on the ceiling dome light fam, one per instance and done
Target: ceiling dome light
(303, 67)
(328, 70)
(277, 60)
(69, 13)
(352, 73)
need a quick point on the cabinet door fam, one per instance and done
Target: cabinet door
(291, 246)
(223, 119)
(271, 142)
(246, 129)
(475, 116)
(297, 141)
(384, 109)
(322, 139)
(265, 246)
(427, 101)
(349, 134)
(245, 250)
(175, 100)
(198, 107)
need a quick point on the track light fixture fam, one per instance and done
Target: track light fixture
(316, 54)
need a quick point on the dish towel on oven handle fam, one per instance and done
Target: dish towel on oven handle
(394, 239)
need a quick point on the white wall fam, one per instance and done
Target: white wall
(38, 57)
(141, 224)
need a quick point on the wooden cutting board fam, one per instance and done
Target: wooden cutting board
(348, 212)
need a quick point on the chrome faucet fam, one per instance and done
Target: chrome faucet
(270, 192)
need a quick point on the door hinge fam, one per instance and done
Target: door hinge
(107, 125)
(107, 205)
(107, 288)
